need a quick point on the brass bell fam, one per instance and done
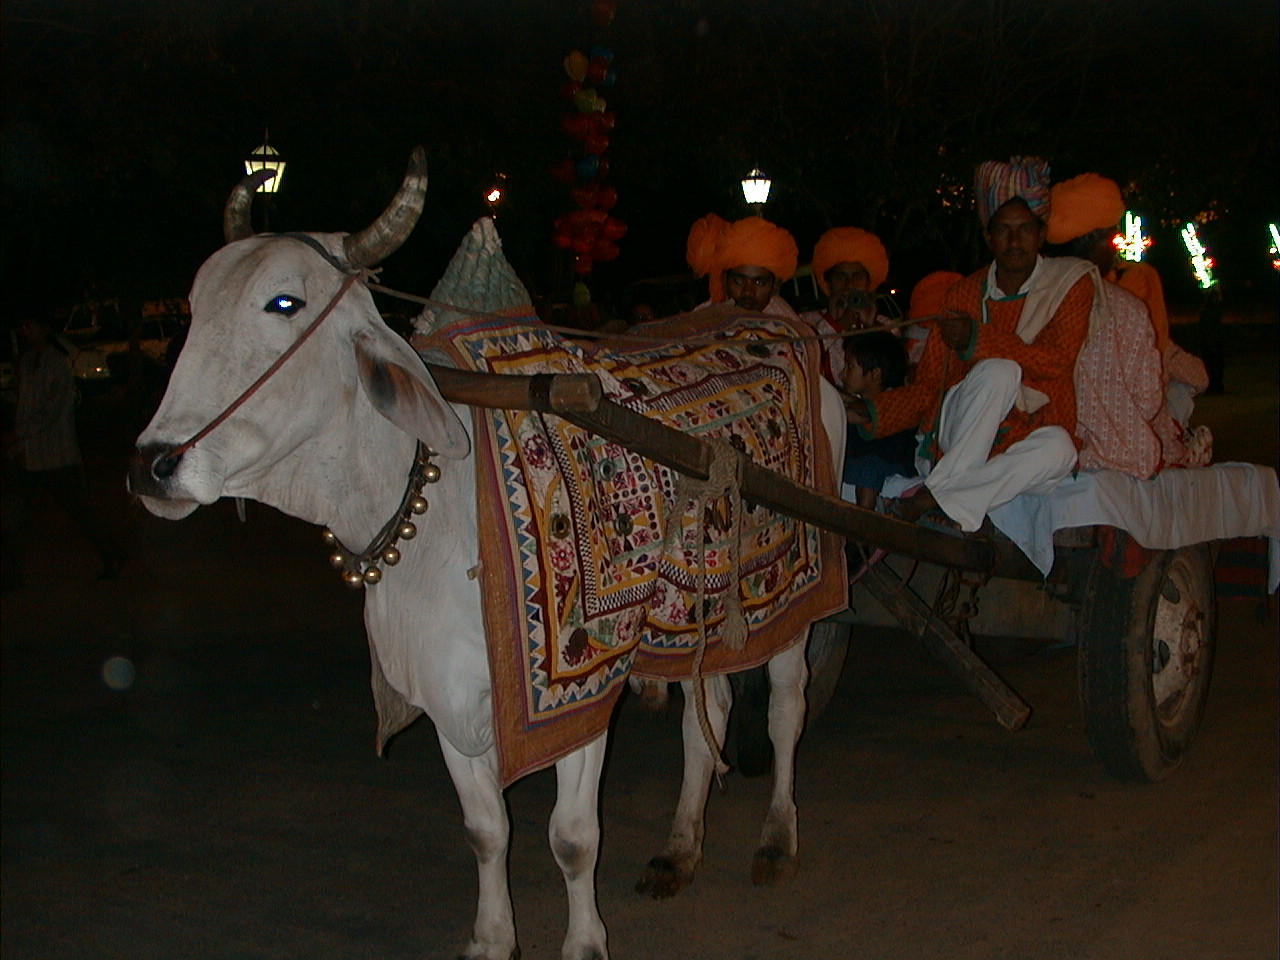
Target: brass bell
(406, 531)
(353, 579)
(372, 575)
(337, 559)
(328, 536)
(418, 505)
(391, 556)
(431, 473)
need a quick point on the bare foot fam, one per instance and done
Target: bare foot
(912, 508)
(866, 498)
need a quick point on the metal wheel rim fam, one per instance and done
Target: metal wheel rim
(1177, 641)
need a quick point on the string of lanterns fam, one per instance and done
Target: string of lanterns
(589, 231)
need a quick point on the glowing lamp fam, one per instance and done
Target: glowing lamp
(1275, 245)
(496, 193)
(1201, 263)
(266, 157)
(1132, 244)
(755, 186)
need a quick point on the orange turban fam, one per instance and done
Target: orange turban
(716, 246)
(930, 293)
(849, 244)
(1081, 204)
(700, 251)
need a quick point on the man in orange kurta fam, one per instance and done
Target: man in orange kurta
(994, 392)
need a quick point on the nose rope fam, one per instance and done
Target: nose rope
(270, 372)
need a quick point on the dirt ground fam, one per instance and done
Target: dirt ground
(225, 801)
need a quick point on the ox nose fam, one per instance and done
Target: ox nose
(152, 465)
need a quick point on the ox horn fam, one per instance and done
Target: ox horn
(236, 224)
(381, 238)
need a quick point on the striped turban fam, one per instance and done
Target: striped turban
(850, 245)
(995, 184)
(716, 246)
(1083, 204)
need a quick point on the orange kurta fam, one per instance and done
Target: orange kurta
(1048, 364)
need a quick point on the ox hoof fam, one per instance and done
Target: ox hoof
(772, 866)
(662, 878)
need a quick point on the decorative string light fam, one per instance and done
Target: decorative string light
(1201, 264)
(1132, 244)
(1275, 245)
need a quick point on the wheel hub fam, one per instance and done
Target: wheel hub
(1176, 641)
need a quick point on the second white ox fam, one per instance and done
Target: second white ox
(329, 438)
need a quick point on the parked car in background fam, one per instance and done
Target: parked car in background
(101, 344)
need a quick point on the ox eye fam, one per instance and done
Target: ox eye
(285, 305)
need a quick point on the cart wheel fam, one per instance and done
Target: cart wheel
(1145, 660)
(828, 646)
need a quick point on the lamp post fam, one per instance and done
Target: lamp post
(266, 157)
(755, 188)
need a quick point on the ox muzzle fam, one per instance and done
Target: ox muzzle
(151, 469)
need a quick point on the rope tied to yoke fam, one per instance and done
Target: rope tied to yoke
(723, 486)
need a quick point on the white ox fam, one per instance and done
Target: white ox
(329, 439)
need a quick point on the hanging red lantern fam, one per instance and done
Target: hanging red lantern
(603, 12)
(565, 171)
(605, 250)
(597, 70)
(606, 197)
(613, 228)
(596, 143)
(585, 196)
(576, 126)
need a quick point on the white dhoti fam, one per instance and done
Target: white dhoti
(967, 481)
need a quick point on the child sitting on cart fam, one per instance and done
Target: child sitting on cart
(875, 361)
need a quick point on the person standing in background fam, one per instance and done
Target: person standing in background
(44, 452)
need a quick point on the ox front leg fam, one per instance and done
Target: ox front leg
(575, 842)
(673, 869)
(775, 858)
(484, 816)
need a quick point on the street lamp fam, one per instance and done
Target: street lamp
(755, 186)
(266, 157)
(496, 193)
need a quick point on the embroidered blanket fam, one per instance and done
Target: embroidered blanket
(591, 563)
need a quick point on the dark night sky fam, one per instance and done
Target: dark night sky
(125, 122)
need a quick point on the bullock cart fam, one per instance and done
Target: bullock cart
(1143, 621)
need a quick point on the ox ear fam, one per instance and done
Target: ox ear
(397, 383)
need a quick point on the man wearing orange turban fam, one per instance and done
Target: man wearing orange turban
(848, 264)
(994, 391)
(1126, 396)
(746, 261)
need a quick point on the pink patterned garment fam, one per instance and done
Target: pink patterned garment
(1120, 391)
